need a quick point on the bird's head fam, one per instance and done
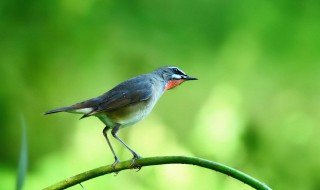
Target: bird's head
(173, 76)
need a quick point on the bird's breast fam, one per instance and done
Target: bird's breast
(173, 83)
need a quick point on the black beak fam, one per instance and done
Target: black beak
(190, 78)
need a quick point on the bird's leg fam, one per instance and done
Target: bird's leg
(114, 132)
(105, 130)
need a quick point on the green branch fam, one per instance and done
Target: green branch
(159, 161)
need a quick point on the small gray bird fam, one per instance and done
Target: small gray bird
(128, 102)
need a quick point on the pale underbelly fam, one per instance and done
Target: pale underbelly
(125, 116)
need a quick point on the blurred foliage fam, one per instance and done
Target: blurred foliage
(255, 107)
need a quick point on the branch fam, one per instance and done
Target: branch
(159, 161)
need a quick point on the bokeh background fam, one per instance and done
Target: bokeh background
(255, 107)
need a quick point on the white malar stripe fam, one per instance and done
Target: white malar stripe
(175, 76)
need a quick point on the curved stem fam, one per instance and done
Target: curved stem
(159, 161)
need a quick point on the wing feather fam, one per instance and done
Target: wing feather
(129, 92)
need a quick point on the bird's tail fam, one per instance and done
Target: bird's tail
(84, 107)
(58, 110)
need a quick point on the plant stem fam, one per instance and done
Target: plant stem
(77, 179)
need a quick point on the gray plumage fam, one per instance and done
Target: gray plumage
(128, 102)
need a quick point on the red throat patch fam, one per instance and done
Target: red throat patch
(173, 83)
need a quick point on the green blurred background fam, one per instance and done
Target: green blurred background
(255, 107)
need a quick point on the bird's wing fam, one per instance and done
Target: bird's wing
(129, 92)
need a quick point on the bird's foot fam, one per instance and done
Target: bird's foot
(132, 165)
(114, 165)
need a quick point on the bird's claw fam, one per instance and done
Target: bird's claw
(132, 166)
(114, 166)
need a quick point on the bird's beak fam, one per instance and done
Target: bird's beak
(190, 78)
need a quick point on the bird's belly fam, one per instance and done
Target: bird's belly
(126, 116)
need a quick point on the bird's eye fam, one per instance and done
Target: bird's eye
(176, 70)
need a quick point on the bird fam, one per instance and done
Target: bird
(128, 102)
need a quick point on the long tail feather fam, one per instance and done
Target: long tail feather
(84, 107)
(57, 110)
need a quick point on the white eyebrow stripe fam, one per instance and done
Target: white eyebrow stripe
(177, 69)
